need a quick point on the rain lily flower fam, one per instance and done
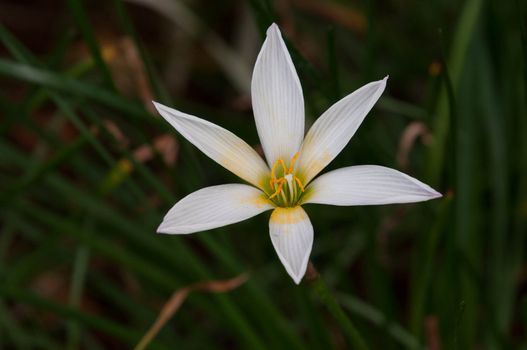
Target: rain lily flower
(288, 179)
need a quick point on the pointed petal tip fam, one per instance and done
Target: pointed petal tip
(380, 84)
(164, 229)
(383, 81)
(161, 230)
(273, 28)
(172, 230)
(434, 194)
(297, 276)
(158, 106)
(430, 192)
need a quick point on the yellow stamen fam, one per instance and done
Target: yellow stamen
(283, 166)
(293, 162)
(299, 183)
(279, 189)
(273, 177)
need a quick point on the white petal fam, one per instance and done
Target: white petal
(333, 130)
(277, 100)
(292, 237)
(213, 207)
(366, 185)
(219, 144)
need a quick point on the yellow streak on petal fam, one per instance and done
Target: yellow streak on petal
(288, 216)
(227, 162)
(315, 166)
(259, 201)
(247, 171)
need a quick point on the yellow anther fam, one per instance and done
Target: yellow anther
(279, 189)
(299, 183)
(283, 165)
(293, 162)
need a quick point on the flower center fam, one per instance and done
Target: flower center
(287, 188)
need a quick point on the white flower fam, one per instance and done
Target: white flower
(287, 181)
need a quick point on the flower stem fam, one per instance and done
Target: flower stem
(327, 297)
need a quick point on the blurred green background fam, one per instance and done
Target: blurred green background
(88, 170)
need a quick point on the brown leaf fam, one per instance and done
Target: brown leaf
(180, 295)
(127, 68)
(410, 134)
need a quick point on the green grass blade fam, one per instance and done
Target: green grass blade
(81, 19)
